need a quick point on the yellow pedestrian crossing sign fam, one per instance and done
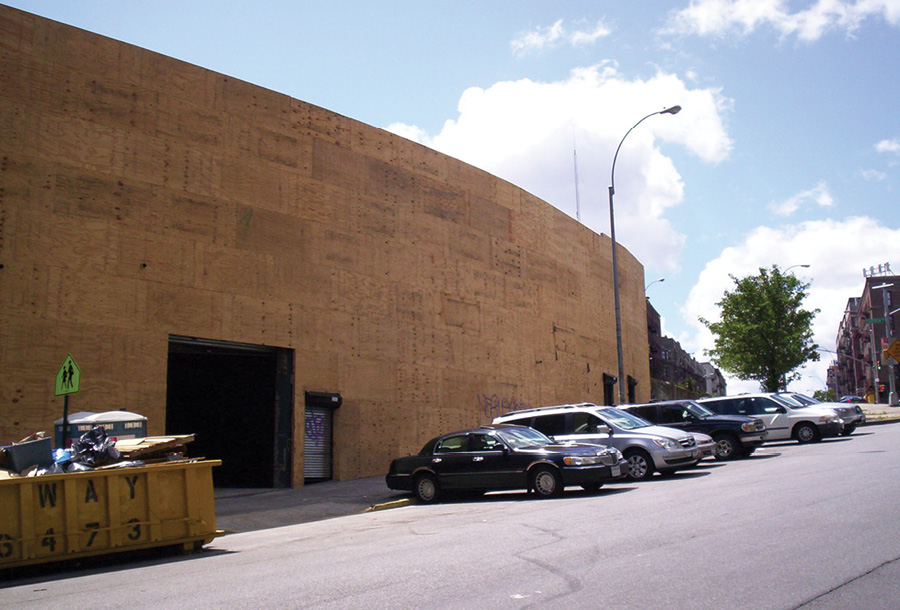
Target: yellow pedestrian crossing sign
(68, 377)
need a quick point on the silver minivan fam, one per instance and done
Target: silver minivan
(647, 448)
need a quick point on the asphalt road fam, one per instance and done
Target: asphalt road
(812, 527)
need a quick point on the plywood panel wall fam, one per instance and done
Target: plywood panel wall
(141, 197)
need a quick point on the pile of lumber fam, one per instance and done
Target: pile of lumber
(154, 448)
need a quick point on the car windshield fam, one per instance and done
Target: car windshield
(804, 400)
(698, 410)
(784, 401)
(622, 419)
(524, 438)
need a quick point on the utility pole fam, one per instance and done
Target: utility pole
(889, 339)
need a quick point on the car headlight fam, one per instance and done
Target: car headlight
(749, 426)
(667, 444)
(825, 419)
(582, 460)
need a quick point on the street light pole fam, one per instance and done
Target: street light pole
(615, 264)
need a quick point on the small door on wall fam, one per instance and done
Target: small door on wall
(609, 386)
(319, 436)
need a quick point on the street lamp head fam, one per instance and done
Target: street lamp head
(792, 266)
(672, 110)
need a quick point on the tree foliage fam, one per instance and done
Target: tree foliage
(825, 395)
(764, 333)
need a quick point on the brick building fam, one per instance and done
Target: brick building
(869, 326)
(674, 373)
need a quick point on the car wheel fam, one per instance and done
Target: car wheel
(806, 433)
(426, 489)
(727, 447)
(545, 482)
(592, 487)
(640, 464)
(848, 430)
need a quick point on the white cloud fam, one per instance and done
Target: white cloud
(873, 175)
(837, 252)
(410, 132)
(550, 37)
(888, 146)
(724, 17)
(818, 195)
(526, 131)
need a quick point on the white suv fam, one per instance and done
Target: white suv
(647, 448)
(784, 420)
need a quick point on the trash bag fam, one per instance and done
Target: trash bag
(62, 456)
(95, 448)
(52, 469)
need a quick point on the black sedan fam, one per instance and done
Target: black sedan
(503, 457)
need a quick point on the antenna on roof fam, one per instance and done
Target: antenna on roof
(577, 201)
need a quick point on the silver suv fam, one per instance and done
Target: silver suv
(852, 415)
(784, 419)
(647, 448)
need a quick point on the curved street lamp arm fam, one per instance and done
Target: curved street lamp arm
(612, 173)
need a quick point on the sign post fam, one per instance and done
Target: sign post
(68, 379)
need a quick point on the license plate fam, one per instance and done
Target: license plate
(616, 471)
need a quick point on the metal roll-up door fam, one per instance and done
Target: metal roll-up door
(318, 436)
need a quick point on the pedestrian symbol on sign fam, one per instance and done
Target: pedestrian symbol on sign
(68, 378)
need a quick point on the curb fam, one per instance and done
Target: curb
(388, 505)
(879, 422)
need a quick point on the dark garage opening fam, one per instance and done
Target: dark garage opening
(237, 401)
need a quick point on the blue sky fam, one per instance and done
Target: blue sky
(787, 151)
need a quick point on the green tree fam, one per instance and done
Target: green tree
(825, 395)
(763, 333)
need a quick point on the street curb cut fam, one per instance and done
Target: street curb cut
(387, 505)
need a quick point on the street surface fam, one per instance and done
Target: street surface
(811, 527)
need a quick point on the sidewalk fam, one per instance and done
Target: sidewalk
(876, 413)
(241, 510)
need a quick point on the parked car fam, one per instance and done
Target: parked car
(647, 448)
(503, 457)
(851, 398)
(734, 435)
(852, 415)
(783, 420)
(705, 444)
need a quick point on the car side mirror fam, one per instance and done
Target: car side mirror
(781, 410)
(604, 429)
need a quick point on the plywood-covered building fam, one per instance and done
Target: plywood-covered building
(309, 295)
